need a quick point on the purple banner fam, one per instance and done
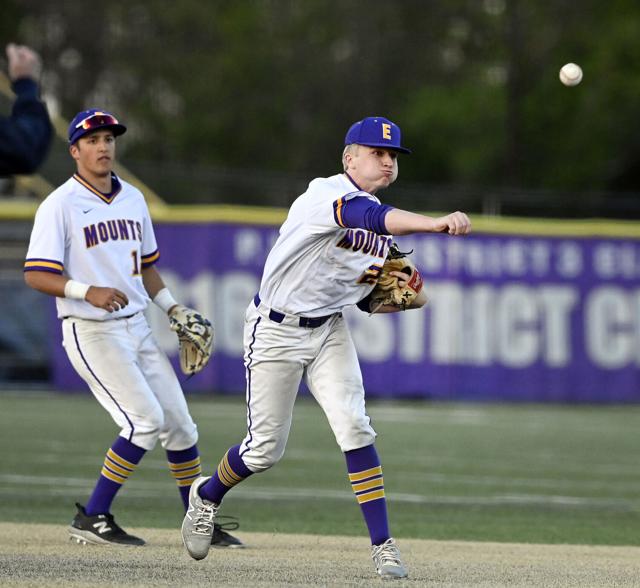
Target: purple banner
(516, 318)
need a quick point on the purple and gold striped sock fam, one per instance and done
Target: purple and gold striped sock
(120, 462)
(231, 471)
(365, 475)
(185, 467)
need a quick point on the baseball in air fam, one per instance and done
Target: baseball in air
(571, 74)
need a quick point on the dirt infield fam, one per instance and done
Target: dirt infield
(42, 555)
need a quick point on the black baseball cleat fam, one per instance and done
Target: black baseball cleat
(100, 529)
(220, 536)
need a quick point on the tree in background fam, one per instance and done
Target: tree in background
(269, 87)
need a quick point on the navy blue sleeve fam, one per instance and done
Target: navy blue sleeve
(361, 213)
(25, 136)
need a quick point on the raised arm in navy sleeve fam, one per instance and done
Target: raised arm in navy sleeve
(25, 135)
(361, 213)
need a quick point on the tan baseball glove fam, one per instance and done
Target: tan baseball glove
(388, 290)
(195, 335)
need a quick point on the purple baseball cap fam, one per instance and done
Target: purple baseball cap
(376, 131)
(91, 120)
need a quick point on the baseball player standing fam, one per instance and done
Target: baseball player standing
(94, 249)
(329, 252)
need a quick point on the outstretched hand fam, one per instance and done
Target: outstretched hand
(456, 223)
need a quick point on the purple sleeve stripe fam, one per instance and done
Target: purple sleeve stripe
(149, 260)
(42, 268)
(362, 213)
(337, 211)
(40, 264)
(149, 256)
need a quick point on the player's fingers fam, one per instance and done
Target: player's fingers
(113, 299)
(458, 223)
(453, 224)
(402, 277)
(468, 225)
(465, 224)
(442, 225)
(120, 298)
(120, 301)
(111, 303)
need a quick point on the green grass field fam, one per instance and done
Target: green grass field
(516, 473)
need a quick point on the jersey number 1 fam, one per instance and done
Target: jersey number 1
(136, 265)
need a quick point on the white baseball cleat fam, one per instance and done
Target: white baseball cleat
(197, 526)
(387, 560)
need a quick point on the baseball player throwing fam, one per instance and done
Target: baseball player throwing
(329, 253)
(94, 249)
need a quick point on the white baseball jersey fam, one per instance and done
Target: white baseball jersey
(95, 239)
(318, 266)
(105, 241)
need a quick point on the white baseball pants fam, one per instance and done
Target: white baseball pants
(277, 357)
(132, 378)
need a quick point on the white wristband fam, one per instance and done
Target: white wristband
(164, 300)
(77, 290)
